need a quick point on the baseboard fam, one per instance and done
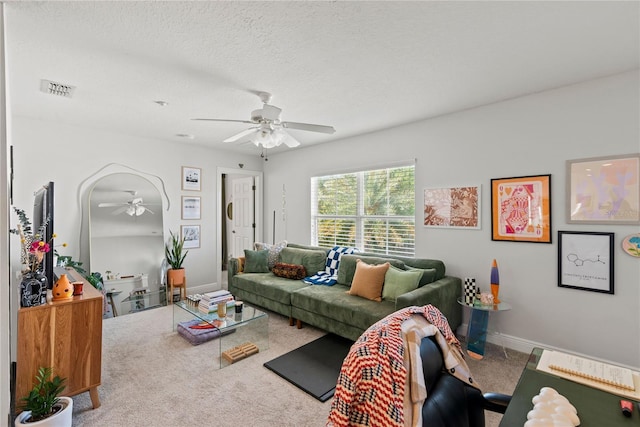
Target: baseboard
(508, 341)
(526, 346)
(201, 289)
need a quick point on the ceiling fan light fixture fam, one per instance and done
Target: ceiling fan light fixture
(268, 139)
(130, 211)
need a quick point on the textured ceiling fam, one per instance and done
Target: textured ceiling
(358, 66)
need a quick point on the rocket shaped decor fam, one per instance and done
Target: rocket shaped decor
(495, 282)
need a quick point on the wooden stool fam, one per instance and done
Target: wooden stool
(182, 286)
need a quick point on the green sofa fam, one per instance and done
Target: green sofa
(331, 308)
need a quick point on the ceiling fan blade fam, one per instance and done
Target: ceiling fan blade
(242, 134)
(120, 210)
(308, 126)
(149, 210)
(110, 205)
(226, 120)
(288, 140)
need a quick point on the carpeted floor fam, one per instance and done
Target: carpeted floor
(153, 377)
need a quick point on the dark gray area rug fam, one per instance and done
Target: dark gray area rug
(315, 366)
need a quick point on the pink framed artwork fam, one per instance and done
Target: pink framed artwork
(521, 209)
(452, 207)
(604, 190)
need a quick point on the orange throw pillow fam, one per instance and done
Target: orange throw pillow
(368, 280)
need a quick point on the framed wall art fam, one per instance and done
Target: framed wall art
(604, 190)
(191, 235)
(191, 178)
(521, 209)
(585, 261)
(190, 207)
(452, 207)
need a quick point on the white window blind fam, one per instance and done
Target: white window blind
(372, 210)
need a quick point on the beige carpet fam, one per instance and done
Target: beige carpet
(153, 377)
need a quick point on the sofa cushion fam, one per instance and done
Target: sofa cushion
(289, 271)
(268, 286)
(334, 302)
(313, 260)
(348, 266)
(398, 282)
(256, 261)
(368, 280)
(274, 250)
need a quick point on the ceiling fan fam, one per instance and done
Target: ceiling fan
(267, 129)
(134, 207)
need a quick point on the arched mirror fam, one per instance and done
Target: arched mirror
(126, 239)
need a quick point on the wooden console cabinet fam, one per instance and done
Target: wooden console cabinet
(65, 335)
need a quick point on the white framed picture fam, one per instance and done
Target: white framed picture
(190, 207)
(191, 236)
(191, 178)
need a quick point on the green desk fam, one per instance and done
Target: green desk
(596, 408)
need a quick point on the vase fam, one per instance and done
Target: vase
(63, 289)
(33, 289)
(62, 418)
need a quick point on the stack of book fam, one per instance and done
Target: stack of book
(209, 301)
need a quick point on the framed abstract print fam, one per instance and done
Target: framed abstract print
(604, 190)
(452, 207)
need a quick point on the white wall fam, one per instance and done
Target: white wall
(525, 136)
(69, 155)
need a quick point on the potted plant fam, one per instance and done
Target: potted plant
(175, 255)
(43, 406)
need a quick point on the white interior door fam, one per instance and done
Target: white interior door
(243, 224)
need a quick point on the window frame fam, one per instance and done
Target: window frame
(360, 217)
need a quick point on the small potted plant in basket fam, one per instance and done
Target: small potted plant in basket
(43, 406)
(175, 254)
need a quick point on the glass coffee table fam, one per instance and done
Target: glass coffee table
(143, 301)
(239, 335)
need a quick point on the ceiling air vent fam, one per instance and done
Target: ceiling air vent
(55, 88)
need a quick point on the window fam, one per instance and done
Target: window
(372, 210)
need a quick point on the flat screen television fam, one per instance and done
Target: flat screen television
(43, 206)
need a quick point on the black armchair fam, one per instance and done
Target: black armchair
(450, 402)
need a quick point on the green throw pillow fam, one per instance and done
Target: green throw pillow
(398, 282)
(428, 275)
(256, 261)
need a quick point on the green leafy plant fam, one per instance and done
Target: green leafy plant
(173, 251)
(44, 395)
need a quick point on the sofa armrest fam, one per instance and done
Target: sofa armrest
(442, 294)
(232, 268)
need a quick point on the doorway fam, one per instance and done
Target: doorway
(239, 218)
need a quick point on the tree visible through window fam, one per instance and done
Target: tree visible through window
(372, 210)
